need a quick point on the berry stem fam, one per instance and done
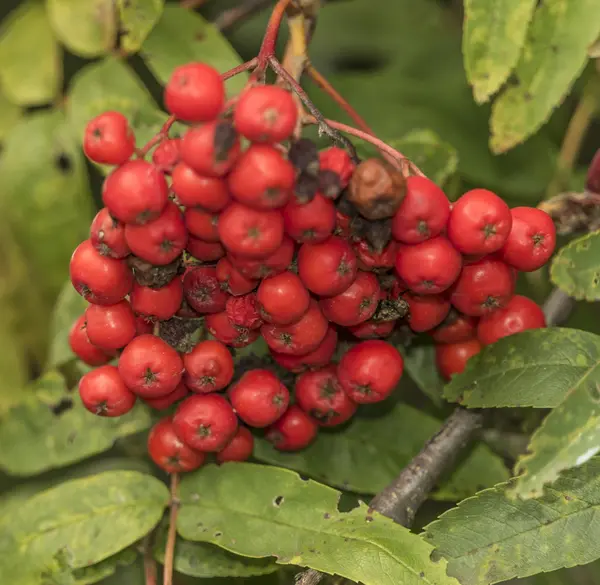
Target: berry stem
(267, 48)
(162, 134)
(172, 534)
(324, 84)
(317, 118)
(240, 69)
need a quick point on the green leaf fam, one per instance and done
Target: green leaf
(297, 522)
(493, 36)
(77, 524)
(30, 58)
(568, 437)
(104, 569)
(34, 439)
(491, 538)
(554, 55)
(436, 158)
(182, 36)
(535, 368)
(69, 307)
(46, 205)
(205, 560)
(138, 18)
(576, 269)
(111, 85)
(366, 455)
(10, 114)
(88, 29)
(419, 362)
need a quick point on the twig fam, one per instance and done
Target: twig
(571, 144)
(325, 126)
(191, 4)
(150, 572)
(172, 534)
(401, 499)
(267, 47)
(233, 16)
(240, 69)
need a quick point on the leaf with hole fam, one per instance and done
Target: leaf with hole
(77, 524)
(554, 55)
(491, 538)
(137, 19)
(534, 368)
(88, 29)
(205, 560)
(30, 58)
(576, 269)
(50, 428)
(493, 37)
(299, 523)
(182, 36)
(366, 455)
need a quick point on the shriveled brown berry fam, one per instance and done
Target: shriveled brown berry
(376, 189)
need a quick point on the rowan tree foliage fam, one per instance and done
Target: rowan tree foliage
(478, 466)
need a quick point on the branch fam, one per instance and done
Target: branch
(233, 16)
(172, 534)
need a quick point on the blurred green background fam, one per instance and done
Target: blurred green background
(398, 62)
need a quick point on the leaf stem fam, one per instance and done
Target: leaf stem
(172, 533)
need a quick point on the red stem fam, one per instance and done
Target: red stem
(267, 48)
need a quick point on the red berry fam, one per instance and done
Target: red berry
(210, 149)
(169, 452)
(372, 329)
(205, 422)
(456, 327)
(259, 398)
(135, 192)
(430, 267)
(108, 139)
(203, 291)
(243, 311)
(370, 259)
(220, 326)
(158, 303)
(451, 358)
(239, 448)
(282, 299)
(150, 367)
(208, 367)
(356, 304)
(343, 224)
(161, 240)
(250, 233)
(317, 358)
(337, 160)
(483, 287)
(327, 268)
(275, 263)
(262, 178)
(164, 402)
(479, 222)
(531, 241)
(143, 325)
(104, 393)
(295, 430)
(426, 311)
(320, 394)
(592, 182)
(298, 338)
(232, 280)
(83, 348)
(108, 235)
(195, 93)
(99, 279)
(266, 113)
(423, 213)
(310, 222)
(520, 314)
(205, 251)
(202, 224)
(369, 371)
(194, 190)
(110, 327)
(166, 155)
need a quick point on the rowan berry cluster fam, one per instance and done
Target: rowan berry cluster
(241, 229)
